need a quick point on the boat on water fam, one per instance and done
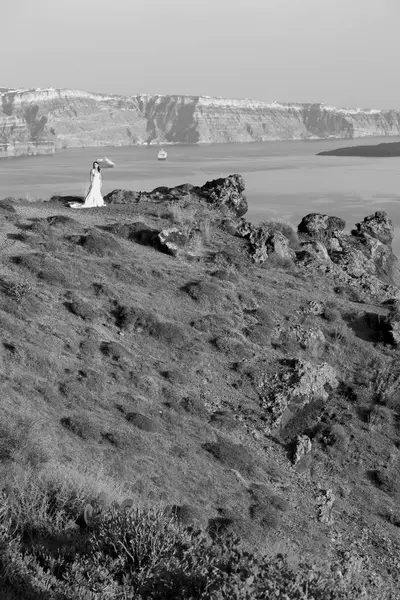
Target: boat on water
(105, 163)
(162, 154)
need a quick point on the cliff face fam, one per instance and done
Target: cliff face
(40, 121)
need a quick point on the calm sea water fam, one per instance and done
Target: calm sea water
(284, 179)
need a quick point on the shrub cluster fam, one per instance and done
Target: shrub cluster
(140, 554)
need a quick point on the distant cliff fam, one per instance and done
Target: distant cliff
(40, 121)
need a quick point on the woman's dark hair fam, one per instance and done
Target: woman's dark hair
(98, 166)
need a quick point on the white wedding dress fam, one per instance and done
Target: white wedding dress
(93, 197)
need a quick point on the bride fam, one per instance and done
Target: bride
(93, 197)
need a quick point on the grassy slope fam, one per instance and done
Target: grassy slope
(69, 385)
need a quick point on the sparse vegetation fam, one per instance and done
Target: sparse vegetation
(286, 228)
(152, 378)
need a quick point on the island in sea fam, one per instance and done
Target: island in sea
(385, 150)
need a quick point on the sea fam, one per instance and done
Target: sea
(284, 179)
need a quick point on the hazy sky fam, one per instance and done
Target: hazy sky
(341, 52)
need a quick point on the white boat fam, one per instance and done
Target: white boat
(162, 154)
(105, 163)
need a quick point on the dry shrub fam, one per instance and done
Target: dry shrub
(333, 435)
(232, 347)
(388, 480)
(262, 494)
(274, 261)
(223, 419)
(234, 456)
(185, 218)
(261, 332)
(99, 243)
(21, 442)
(82, 309)
(52, 271)
(206, 229)
(331, 312)
(143, 321)
(380, 416)
(185, 514)
(284, 227)
(194, 405)
(266, 515)
(116, 352)
(81, 425)
(212, 324)
(63, 222)
(227, 274)
(208, 294)
(142, 422)
(348, 293)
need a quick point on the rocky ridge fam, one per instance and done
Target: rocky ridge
(42, 120)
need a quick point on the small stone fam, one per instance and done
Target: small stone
(303, 446)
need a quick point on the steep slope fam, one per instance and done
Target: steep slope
(40, 121)
(189, 368)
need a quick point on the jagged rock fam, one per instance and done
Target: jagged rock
(313, 308)
(314, 250)
(318, 226)
(333, 244)
(378, 226)
(299, 382)
(122, 197)
(363, 260)
(278, 244)
(307, 338)
(264, 242)
(303, 446)
(172, 241)
(228, 192)
(325, 501)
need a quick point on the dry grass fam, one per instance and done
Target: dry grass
(284, 227)
(143, 395)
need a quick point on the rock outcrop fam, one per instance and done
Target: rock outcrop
(302, 447)
(37, 121)
(319, 226)
(224, 194)
(325, 500)
(265, 242)
(363, 260)
(227, 193)
(299, 382)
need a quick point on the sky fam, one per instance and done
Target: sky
(340, 52)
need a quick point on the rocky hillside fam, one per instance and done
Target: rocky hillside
(221, 377)
(40, 121)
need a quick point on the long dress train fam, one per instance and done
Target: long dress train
(93, 197)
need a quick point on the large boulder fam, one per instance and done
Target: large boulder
(325, 500)
(227, 192)
(264, 242)
(122, 197)
(362, 260)
(172, 241)
(298, 383)
(313, 250)
(320, 226)
(378, 226)
(302, 447)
